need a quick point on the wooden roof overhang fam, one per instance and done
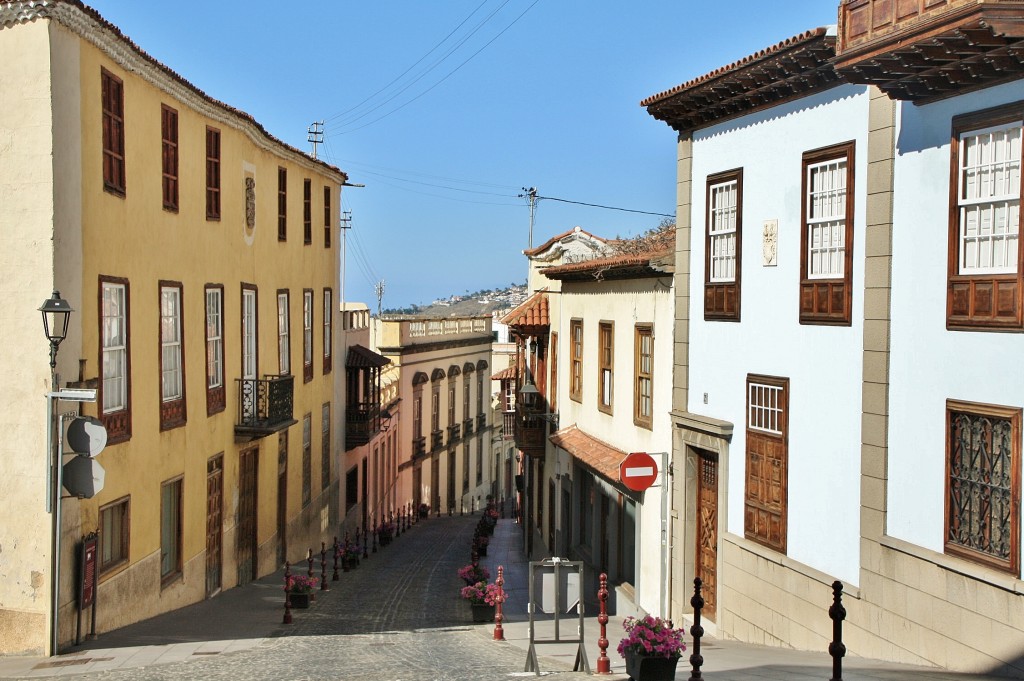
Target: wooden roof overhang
(787, 70)
(952, 47)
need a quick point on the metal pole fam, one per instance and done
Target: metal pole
(54, 506)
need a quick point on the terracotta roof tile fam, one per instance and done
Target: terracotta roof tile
(532, 313)
(511, 373)
(600, 456)
(619, 266)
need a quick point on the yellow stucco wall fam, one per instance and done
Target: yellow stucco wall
(51, 183)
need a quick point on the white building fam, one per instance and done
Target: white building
(840, 383)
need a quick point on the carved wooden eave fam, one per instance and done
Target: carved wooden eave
(924, 50)
(790, 69)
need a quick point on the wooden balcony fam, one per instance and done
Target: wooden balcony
(264, 406)
(530, 431)
(436, 440)
(508, 425)
(454, 433)
(362, 422)
(922, 50)
(419, 446)
(467, 427)
(481, 422)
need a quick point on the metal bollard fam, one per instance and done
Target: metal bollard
(309, 573)
(836, 648)
(324, 585)
(335, 577)
(373, 531)
(287, 594)
(499, 631)
(604, 664)
(697, 631)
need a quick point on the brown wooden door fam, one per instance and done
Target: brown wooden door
(707, 530)
(248, 464)
(214, 513)
(282, 498)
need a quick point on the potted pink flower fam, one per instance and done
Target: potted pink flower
(651, 648)
(483, 598)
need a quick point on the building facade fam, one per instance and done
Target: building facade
(445, 462)
(200, 256)
(849, 281)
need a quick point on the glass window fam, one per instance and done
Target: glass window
(170, 530)
(112, 96)
(643, 375)
(169, 141)
(284, 361)
(114, 534)
(606, 361)
(212, 174)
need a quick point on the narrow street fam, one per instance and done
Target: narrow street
(397, 616)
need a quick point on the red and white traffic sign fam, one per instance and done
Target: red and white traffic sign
(638, 471)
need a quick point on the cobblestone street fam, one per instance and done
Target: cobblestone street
(397, 615)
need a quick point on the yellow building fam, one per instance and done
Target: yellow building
(199, 255)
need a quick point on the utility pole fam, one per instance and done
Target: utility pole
(531, 196)
(378, 290)
(315, 134)
(346, 224)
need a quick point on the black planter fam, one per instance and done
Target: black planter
(647, 668)
(299, 600)
(482, 612)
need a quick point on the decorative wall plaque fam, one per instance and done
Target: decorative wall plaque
(769, 243)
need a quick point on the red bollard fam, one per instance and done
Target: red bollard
(604, 665)
(335, 577)
(324, 586)
(309, 573)
(287, 594)
(499, 631)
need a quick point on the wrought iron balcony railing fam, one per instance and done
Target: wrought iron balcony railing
(436, 440)
(419, 446)
(481, 422)
(264, 405)
(467, 427)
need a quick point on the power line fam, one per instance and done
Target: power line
(434, 65)
(450, 74)
(595, 205)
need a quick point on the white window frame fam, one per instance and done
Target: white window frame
(307, 328)
(764, 408)
(328, 316)
(171, 366)
(826, 219)
(114, 344)
(982, 248)
(722, 231)
(284, 357)
(249, 334)
(214, 337)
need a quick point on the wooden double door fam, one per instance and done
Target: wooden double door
(706, 556)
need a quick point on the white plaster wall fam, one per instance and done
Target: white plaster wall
(823, 363)
(930, 364)
(625, 303)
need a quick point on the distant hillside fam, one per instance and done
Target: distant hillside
(467, 305)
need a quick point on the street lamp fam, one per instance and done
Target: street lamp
(56, 315)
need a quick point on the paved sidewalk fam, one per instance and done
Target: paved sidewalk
(398, 618)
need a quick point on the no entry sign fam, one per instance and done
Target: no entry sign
(638, 471)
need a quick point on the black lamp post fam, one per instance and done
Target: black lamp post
(56, 315)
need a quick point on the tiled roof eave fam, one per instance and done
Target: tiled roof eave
(791, 69)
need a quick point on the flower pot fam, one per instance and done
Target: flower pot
(482, 612)
(648, 668)
(299, 600)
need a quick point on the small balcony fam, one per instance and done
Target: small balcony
(264, 406)
(454, 433)
(436, 440)
(530, 430)
(362, 422)
(508, 426)
(467, 427)
(481, 422)
(419, 446)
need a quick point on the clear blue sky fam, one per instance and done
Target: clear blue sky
(445, 140)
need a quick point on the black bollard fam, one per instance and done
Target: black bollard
(697, 631)
(836, 648)
(324, 585)
(335, 577)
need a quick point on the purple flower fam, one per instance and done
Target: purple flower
(651, 636)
